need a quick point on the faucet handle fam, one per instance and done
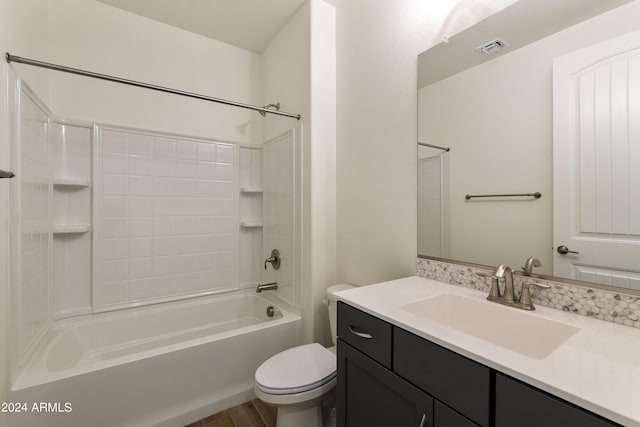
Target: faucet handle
(494, 291)
(525, 294)
(274, 259)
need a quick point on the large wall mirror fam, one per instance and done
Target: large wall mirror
(551, 105)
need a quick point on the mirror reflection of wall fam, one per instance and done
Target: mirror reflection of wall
(497, 118)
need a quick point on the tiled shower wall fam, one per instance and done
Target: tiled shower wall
(430, 230)
(251, 224)
(282, 201)
(165, 215)
(72, 256)
(31, 235)
(106, 217)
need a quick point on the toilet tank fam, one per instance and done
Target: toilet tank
(333, 308)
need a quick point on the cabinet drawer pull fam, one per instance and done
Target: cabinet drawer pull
(423, 421)
(360, 334)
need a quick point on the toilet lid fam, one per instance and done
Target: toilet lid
(297, 369)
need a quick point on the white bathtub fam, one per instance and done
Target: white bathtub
(164, 365)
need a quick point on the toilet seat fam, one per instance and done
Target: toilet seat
(297, 370)
(295, 390)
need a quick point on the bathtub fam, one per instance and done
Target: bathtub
(163, 365)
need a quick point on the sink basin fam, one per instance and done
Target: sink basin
(507, 327)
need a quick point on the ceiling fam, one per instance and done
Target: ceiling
(519, 24)
(248, 24)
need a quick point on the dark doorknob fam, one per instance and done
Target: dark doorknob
(563, 250)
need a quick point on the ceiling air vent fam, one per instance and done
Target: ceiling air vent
(494, 46)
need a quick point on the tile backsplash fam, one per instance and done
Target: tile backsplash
(611, 306)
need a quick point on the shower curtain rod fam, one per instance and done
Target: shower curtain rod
(36, 63)
(424, 144)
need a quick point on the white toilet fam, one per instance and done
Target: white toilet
(299, 379)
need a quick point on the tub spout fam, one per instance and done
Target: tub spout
(267, 287)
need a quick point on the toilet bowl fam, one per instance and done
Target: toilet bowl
(296, 381)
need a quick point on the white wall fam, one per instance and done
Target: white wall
(286, 73)
(506, 143)
(378, 42)
(322, 253)
(23, 32)
(90, 35)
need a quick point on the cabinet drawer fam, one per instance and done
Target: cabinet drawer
(525, 406)
(368, 334)
(455, 380)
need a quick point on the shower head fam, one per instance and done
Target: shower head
(275, 106)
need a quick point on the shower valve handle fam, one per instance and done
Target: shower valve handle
(274, 259)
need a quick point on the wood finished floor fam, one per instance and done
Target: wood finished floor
(254, 413)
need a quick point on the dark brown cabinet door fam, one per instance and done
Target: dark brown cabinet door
(459, 382)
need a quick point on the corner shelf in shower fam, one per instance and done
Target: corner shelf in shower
(254, 190)
(251, 224)
(71, 182)
(71, 228)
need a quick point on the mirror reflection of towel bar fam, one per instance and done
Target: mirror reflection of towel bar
(535, 195)
(424, 144)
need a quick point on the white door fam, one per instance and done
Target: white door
(596, 96)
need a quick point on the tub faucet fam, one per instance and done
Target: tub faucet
(267, 287)
(274, 259)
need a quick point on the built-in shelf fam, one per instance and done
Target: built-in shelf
(251, 224)
(70, 182)
(251, 190)
(71, 228)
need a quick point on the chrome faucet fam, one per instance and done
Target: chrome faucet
(508, 297)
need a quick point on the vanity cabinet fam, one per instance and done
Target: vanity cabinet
(371, 392)
(390, 377)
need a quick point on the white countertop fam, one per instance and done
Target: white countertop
(598, 368)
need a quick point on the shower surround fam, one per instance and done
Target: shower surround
(136, 251)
